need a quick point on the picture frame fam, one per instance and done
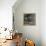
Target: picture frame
(29, 19)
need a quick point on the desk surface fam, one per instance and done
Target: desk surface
(9, 43)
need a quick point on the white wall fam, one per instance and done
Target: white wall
(43, 22)
(6, 13)
(31, 32)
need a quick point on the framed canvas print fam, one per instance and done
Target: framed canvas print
(30, 19)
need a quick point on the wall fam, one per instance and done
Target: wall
(6, 13)
(30, 32)
(43, 22)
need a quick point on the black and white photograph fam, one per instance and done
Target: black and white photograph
(30, 19)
